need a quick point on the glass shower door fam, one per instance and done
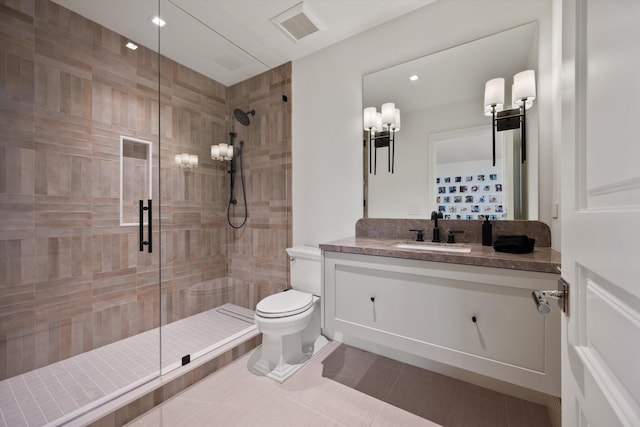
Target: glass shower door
(79, 301)
(197, 294)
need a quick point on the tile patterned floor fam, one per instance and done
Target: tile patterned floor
(60, 391)
(341, 386)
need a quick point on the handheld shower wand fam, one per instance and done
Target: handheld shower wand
(232, 179)
(237, 158)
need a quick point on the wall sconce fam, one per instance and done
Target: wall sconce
(222, 152)
(523, 92)
(382, 127)
(186, 160)
(225, 151)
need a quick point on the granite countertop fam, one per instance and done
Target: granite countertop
(542, 259)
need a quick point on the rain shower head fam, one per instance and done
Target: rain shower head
(243, 117)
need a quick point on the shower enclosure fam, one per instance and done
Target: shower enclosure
(117, 264)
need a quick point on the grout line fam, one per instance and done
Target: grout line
(55, 401)
(2, 417)
(89, 379)
(114, 371)
(393, 386)
(74, 380)
(62, 387)
(15, 398)
(34, 399)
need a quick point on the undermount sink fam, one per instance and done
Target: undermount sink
(433, 247)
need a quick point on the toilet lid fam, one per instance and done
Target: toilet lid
(284, 304)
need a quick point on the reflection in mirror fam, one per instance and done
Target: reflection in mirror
(444, 102)
(466, 186)
(135, 177)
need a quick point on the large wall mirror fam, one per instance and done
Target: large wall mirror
(446, 136)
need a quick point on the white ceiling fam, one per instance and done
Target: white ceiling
(454, 75)
(232, 40)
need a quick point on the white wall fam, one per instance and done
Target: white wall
(408, 185)
(327, 105)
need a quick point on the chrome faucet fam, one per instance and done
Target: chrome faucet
(436, 231)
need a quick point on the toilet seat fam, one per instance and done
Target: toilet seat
(284, 304)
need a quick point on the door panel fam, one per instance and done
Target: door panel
(601, 212)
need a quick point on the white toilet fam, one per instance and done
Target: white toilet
(290, 320)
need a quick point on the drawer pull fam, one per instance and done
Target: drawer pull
(473, 319)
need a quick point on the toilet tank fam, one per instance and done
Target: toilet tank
(305, 266)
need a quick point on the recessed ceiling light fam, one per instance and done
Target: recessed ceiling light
(131, 45)
(414, 78)
(158, 21)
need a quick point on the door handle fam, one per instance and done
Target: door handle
(149, 242)
(561, 294)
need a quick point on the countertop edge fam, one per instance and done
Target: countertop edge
(541, 260)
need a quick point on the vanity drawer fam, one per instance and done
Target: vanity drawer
(441, 312)
(428, 309)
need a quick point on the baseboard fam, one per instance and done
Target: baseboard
(441, 368)
(554, 406)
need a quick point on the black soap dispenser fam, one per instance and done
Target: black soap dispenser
(487, 237)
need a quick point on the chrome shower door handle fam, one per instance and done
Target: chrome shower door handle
(148, 242)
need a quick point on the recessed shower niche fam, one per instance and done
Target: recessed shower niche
(135, 177)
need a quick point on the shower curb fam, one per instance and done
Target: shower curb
(138, 401)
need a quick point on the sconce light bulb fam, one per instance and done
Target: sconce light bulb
(524, 86)
(369, 118)
(493, 95)
(388, 114)
(396, 122)
(186, 160)
(378, 127)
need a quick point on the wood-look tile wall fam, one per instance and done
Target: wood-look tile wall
(71, 278)
(258, 262)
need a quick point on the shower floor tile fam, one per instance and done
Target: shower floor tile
(58, 392)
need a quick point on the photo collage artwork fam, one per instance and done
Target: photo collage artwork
(470, 197)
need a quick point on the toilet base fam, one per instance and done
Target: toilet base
(282, 369)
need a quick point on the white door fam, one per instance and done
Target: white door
(601, 212)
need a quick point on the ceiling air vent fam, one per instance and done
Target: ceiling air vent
(296, 22)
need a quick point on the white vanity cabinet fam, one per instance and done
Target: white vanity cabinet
(480, 319)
